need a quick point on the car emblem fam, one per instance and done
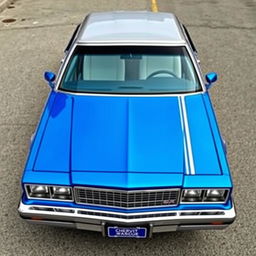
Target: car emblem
(171, 201)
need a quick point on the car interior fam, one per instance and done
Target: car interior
(130, 73)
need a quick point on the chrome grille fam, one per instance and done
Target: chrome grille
(126, 199)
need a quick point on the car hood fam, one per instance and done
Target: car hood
(127, 135)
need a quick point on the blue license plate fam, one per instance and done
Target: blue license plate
(127, 232)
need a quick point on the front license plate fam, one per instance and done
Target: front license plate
(127, 232)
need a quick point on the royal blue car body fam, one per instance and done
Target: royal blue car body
(128, 143)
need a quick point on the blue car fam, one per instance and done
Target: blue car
(128, 143)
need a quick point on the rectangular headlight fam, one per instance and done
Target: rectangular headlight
(192, 195)
(204, 195)
(62, 193)
(38, 191)
(216, 195)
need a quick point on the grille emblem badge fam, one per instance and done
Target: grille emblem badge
(169, 202)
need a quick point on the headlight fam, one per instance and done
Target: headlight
(192, 195)
(216, 195)
(49, 192)
(204, 195)
(62, 193)
(38, 191)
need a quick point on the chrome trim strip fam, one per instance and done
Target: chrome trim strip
(130, 190)
(178, 190)
(184, 137)
(197, 67)
(129, 95)
(132, 43)
(201, 227)
(188, 139)
(27, 211)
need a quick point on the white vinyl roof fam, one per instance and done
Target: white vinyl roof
(128, 27)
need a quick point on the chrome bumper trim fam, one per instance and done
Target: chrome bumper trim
(180, 220)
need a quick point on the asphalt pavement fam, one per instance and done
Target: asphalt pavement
(224, 32)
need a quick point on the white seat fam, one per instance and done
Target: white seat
(98, 68)
(151, 64)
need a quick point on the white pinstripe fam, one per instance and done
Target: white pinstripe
(188, 153)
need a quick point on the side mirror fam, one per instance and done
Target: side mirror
(50, 77)
(211, 78)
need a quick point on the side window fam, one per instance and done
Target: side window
(189, 39)
(72, 39)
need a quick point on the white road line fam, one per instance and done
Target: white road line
(154, 6)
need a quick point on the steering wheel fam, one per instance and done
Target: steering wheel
(162, 72)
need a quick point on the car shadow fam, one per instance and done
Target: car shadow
(95, 241)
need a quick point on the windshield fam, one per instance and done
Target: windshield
(130, 70)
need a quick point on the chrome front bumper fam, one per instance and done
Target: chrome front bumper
(164, 221)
